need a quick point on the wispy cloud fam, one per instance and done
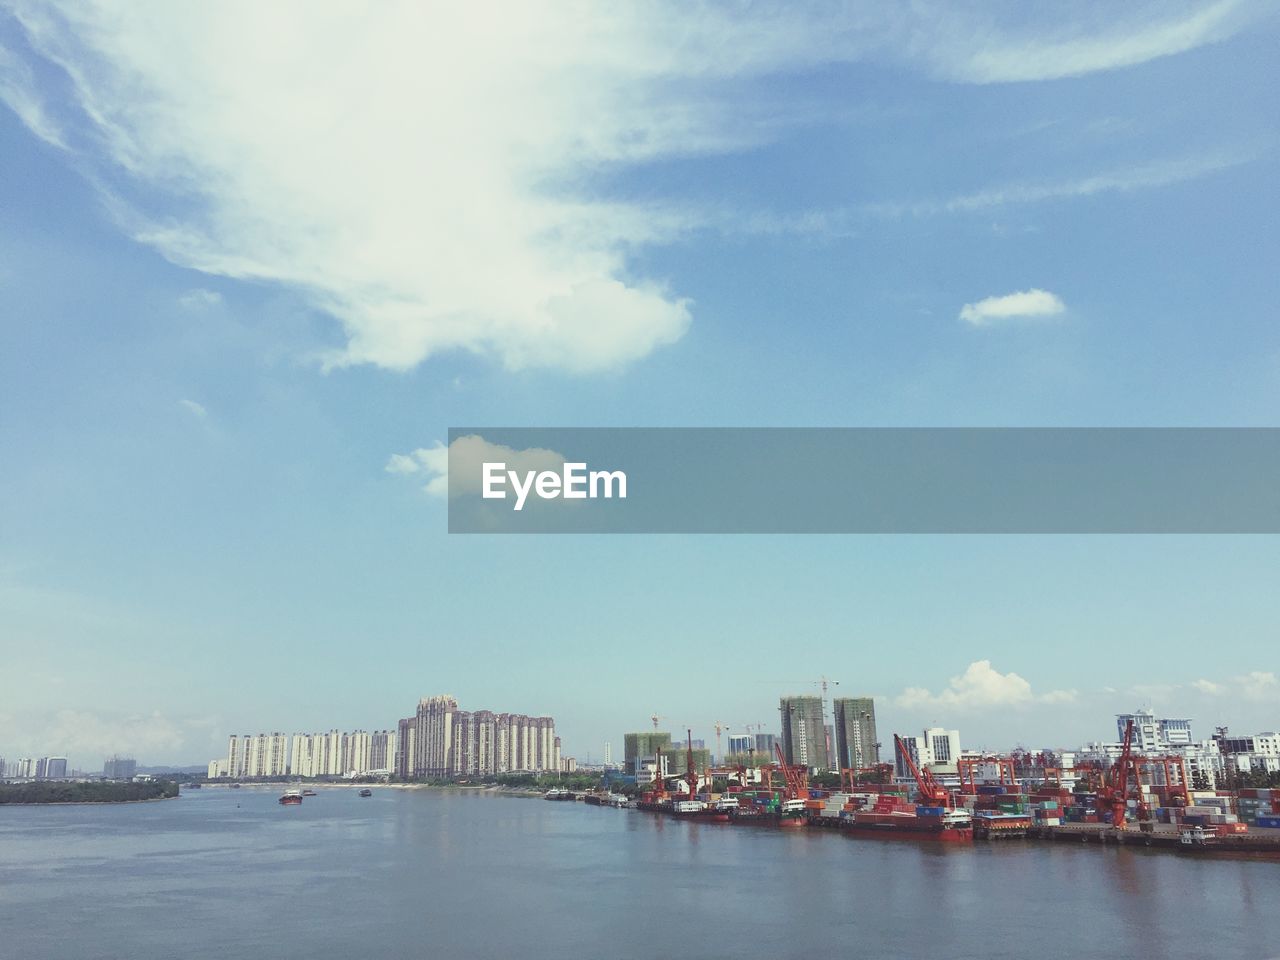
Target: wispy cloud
(463, 458)
(1146, 175)
(1024, 305)
(1143, 176)
(980, 686)
(1113, 40)
(19, 92)
(196, 409)
(199, 299)
(1259, 685)
(340, 175)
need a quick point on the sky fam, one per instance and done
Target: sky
(253, 256)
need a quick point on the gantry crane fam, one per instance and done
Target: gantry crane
(1005, 767)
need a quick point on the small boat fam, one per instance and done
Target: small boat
(558, 793)
(234, 786)
(792, 814)
(1192, 839)
(366, 792)
(291, 797)
(308, 793)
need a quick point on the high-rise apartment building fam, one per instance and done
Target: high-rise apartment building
(448, 742)
(804, 735)
(434, 737)
(856, 743)
(739, 743)
(337, 754)
(641, 748)
(119, 768)
(51, 768)
(260, 755)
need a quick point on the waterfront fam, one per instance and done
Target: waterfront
(423, 873)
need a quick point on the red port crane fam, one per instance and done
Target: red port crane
(1114, 792)
(932, 793)
(796, 778)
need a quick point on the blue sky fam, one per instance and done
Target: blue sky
(248, 256)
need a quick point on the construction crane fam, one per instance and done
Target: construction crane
(821, 682)
(657, 720)
(932, 793)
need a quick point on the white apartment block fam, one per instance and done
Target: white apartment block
(937, 748)
(442, 741)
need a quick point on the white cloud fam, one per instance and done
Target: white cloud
(1259, 685)
(1012, 306)
(199, 299)
(1108, 41)
(430, 175)
(196, 408)
(466, 454)
(1208, 686)
(87, 738)
(981, 685)
(1144, 176)
(1060, 696)
(18, 91)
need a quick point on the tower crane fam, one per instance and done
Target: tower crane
(657, 720)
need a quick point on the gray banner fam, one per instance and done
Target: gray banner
(749, 480)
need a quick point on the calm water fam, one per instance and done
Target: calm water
(418, 873)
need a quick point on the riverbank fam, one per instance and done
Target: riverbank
(44, 792)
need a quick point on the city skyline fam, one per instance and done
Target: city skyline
(234, 348)
(1098, 727)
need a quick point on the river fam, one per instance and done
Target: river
(413, 873)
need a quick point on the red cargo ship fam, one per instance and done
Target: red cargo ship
(894, 819)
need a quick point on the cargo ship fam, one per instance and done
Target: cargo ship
(893, 818)
(716, 811)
